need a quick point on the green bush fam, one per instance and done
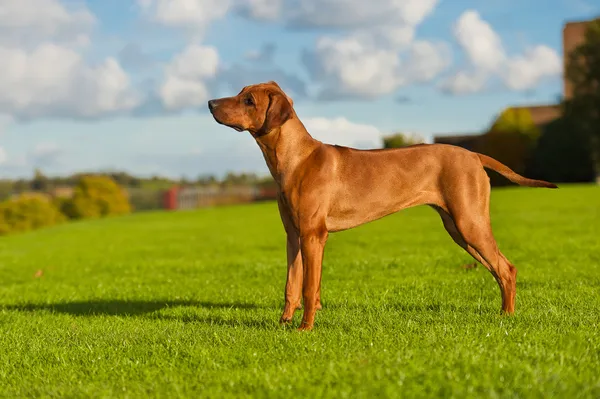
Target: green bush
(516, 120)
(28, 212)
(399, 140)
(96, 197)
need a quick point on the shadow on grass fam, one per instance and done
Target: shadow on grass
(123, 307)
(151, 309)
(216, 320)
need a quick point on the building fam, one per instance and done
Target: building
(573, 35)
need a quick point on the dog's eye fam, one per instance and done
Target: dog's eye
(248, 101)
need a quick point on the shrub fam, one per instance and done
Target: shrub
(95, 197)
(516, 120)
(399, 140)
(28, 212)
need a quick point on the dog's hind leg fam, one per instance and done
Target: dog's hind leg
(468, 223)
(483, 247)
(451, 228)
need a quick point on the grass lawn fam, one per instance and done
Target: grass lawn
(187, 304)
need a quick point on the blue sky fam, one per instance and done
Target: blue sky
(122, 84)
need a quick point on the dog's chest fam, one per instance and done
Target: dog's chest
(289, 198)
(286, 197)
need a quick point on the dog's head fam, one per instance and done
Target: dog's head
(258, 108)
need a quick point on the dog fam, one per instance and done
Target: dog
(325, 188)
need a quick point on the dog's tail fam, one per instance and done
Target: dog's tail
(491, 163)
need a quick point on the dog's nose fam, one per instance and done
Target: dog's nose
(212, 104)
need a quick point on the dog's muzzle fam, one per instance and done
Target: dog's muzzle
(212, 104)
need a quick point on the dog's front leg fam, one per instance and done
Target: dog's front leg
(312, 245)
(293, 284)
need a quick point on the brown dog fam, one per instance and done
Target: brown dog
(326, 188)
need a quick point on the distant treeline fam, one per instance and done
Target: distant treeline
(43, 183)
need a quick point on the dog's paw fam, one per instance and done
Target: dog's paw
(304, 326)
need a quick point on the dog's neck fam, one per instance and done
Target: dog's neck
(286, 147)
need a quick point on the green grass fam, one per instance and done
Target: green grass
(187, 305)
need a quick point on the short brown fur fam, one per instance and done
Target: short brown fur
(325, 188)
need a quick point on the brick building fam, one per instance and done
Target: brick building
(573, 35)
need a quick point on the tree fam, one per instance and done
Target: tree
(583, 72)
(40, 182)
(399, 140)
(94, 197)
(206, 180)
(516, 120)
(562, 154)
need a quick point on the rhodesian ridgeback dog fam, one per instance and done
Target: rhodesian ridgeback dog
(326, 188)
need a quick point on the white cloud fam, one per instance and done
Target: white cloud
(526, 71)
(43, 72)
(343, 132)
(379, 55)
(134, 57)
(358, 13)
(185, 77)
(193, 16)
(356, 67)
(177, 93)
(24, 22)
(395, 36)
(349, 67)
(464, 82)
(364, 64)
(480, 42)
(264, 55)
(426, 60)
(52, 80)
(195, 62)
(488, 58)
(265, 10)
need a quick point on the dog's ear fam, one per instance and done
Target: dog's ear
(278, 112)
(273, 83)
